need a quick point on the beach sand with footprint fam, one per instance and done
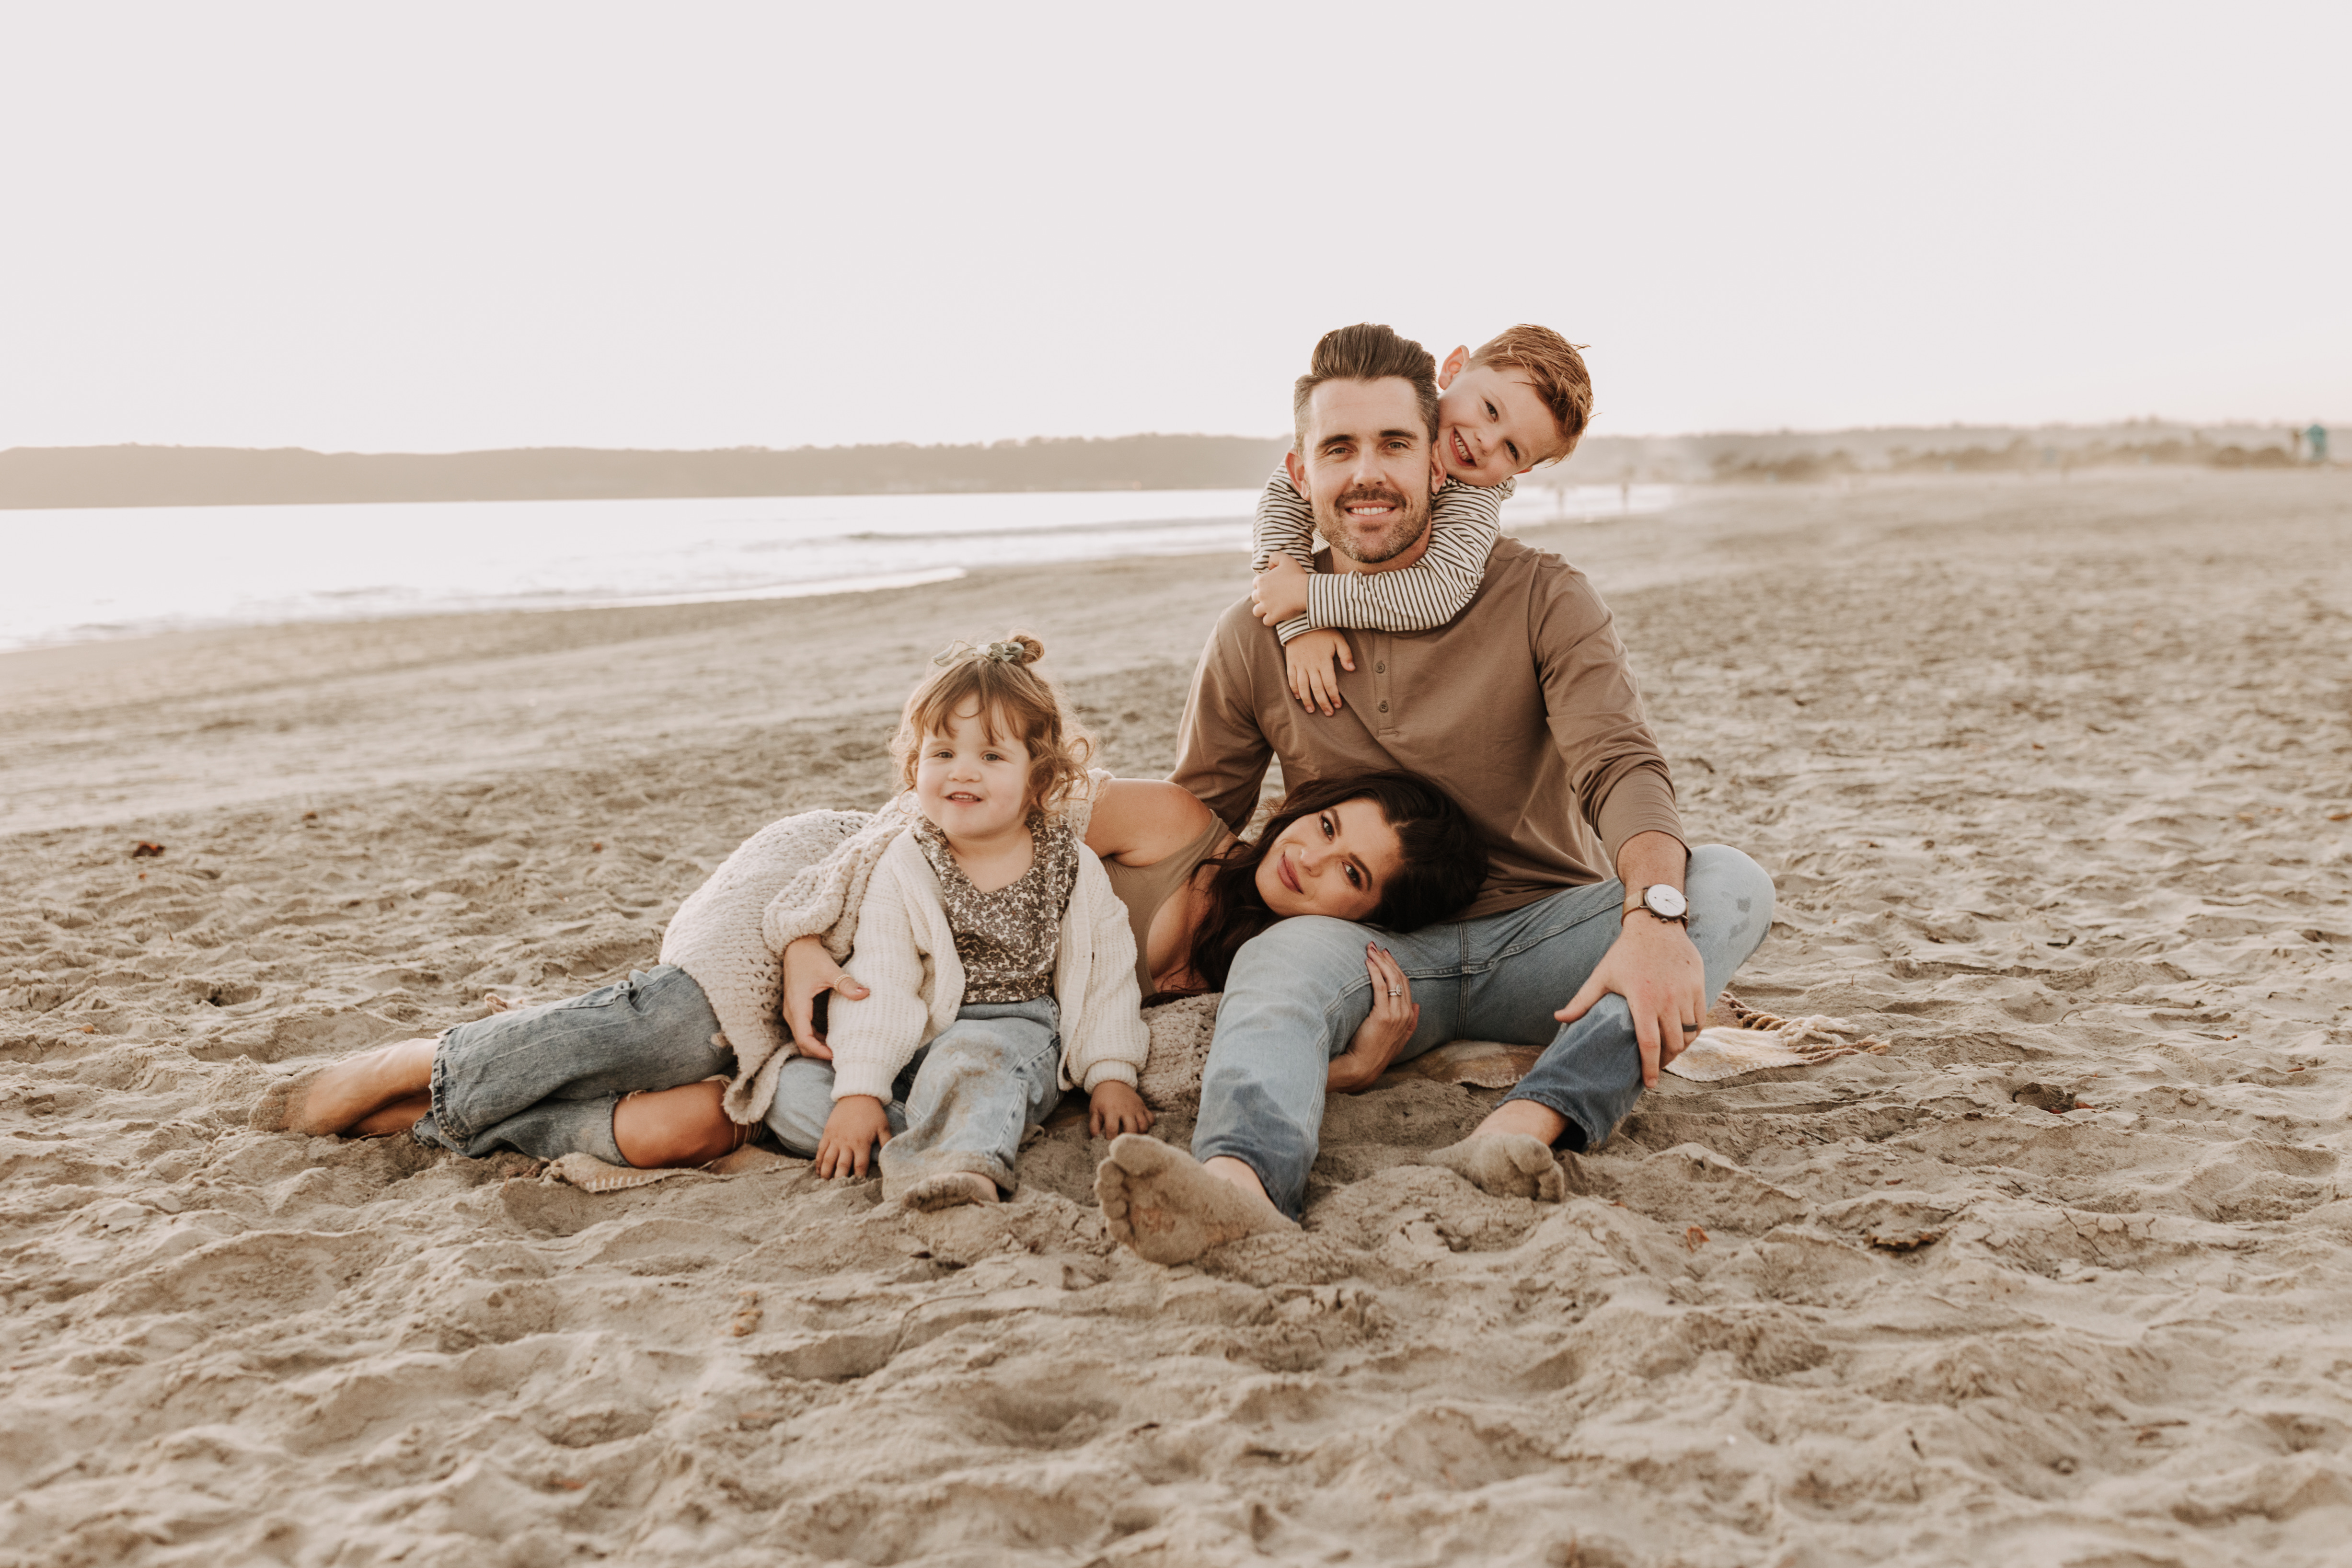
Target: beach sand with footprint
(2056, 780)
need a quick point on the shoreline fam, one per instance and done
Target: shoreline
(126, 728)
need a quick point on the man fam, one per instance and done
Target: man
(1598, 935)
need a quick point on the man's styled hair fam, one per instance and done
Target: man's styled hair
(1367, 352)
(1551, 363)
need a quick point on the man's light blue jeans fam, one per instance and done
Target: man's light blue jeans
(1297, 994)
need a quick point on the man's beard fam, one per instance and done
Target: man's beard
(1406, 525)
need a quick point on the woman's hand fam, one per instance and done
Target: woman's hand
(1117, 1109)
(809, 972)
(858, 1126)
(1394, 1016)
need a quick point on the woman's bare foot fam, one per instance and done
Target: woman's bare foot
(336, 1099)
(400, 1116)
(950, 1189)
(1168, 1207)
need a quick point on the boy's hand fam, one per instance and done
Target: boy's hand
(1307, 658)
(1117, 1108)
(1280, 590)
(857, 1126)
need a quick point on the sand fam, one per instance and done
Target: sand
(2054, 780)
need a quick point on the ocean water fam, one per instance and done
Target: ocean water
(81, 573)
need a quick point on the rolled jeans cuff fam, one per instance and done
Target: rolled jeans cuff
(1578, 1136)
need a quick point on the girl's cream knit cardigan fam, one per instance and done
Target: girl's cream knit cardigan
(906, 957)
(804, 876)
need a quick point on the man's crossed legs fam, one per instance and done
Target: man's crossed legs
(1296, 994)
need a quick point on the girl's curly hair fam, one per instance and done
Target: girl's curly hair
(1014, 702)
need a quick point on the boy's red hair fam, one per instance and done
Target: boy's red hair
(1556, 370)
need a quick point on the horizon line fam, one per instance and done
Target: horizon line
(2148, 420)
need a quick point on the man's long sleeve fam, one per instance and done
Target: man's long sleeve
(1221, 753)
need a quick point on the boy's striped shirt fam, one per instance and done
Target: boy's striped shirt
(1465, 522)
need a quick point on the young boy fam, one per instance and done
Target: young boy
(1523, 398)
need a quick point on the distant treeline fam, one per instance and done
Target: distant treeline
(1801, 455)
(2020, 456)
(229, 476)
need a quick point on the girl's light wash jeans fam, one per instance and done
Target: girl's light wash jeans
(543, 1080)
(963, 1102)
(1297, 994)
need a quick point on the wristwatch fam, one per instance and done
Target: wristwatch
(1666, 903)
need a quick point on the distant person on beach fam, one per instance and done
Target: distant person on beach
(1521, 706)
(947, 911)
(1523, 398)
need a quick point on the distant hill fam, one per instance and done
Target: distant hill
(1798, 456)
(230, 476)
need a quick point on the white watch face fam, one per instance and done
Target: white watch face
(1668, 902)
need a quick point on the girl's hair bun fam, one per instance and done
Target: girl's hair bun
(1031, 650)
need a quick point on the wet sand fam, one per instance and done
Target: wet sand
(2056, 780)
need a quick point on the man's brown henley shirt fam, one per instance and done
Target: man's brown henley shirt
(1521, 706)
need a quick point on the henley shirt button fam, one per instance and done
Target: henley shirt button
(1379, 669)
(1384, 707)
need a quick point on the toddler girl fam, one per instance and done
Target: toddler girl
(998, 964)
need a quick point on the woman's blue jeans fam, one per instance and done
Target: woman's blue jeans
(1297, 994)
(544, 1080)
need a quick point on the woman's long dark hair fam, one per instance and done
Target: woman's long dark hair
(1442, 867)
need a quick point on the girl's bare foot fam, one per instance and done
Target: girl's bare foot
(949, 1190)
(336, 1099)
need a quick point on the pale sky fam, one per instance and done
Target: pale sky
(439, 226)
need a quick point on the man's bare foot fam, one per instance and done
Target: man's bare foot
(1159, 1201)
(336, 1099)
(1530, 1118)
(1506, 1165)
(950, 1189)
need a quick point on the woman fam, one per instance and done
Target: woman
(1388, 849)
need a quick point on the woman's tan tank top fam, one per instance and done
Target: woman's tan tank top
(1143, 888)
